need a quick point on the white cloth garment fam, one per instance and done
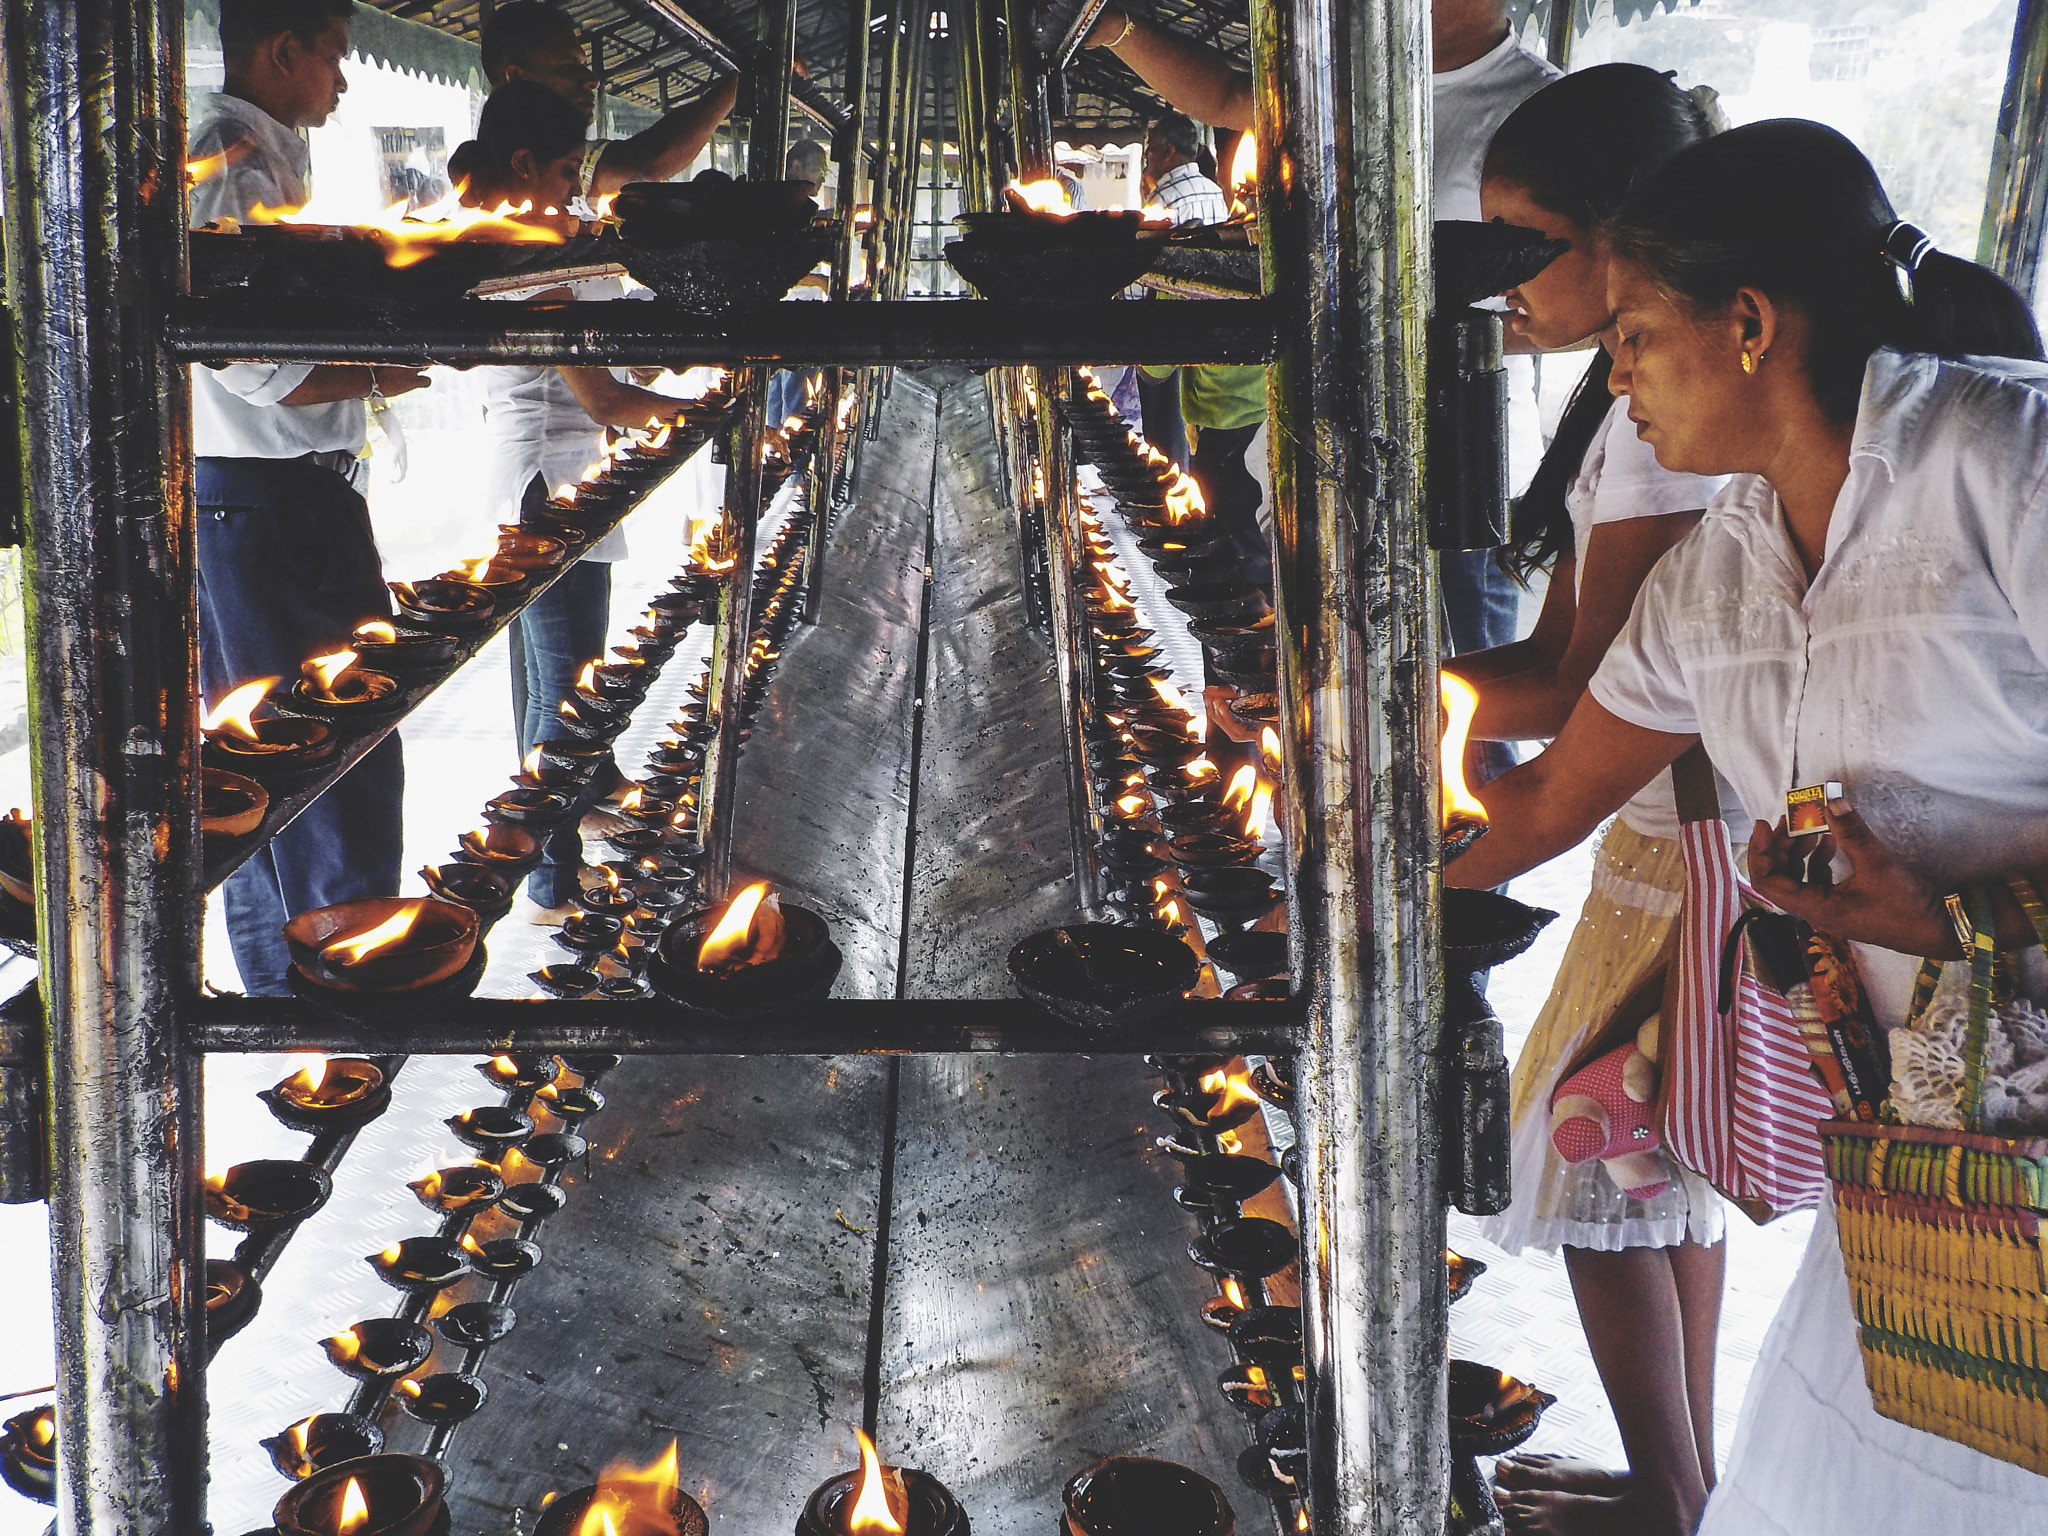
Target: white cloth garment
(1191, 197)
(1915, 670)
(1620, 480)
(235, 410)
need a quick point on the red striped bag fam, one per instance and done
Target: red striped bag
(1739, 1100)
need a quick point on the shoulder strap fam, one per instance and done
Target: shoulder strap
(1692, 780)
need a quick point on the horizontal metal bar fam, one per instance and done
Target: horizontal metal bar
(972, 332)
(834, 1027)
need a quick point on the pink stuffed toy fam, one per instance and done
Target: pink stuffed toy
(1608, 1109)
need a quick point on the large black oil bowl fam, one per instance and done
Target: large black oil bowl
(265, 1193)
(1102, 974)
(1251, 1248)
(801, 970)
(1139, 1496)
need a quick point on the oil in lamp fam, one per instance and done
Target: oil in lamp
(1270, 1336)
(379, 1348)
(590, 933)
(421, 1263)
(28, 1454)
(555, 1149)
(753, 956)
(1101, 974)
(882, 1501)
(486, 892)
(1249, 1387)
(442, 603)
(382, 1495)
(382, 646)
(627, 1501)
(527, 551)
(501, 846)
(530, 806)
(1127, 1494)
(265, 1193)
(570, 1105)
(459, 1191)
(502, 1258)
(533, 1201)
(476, 1324)
(236, 740)
(229, 806)
(565, 980)
(520, 1069)
(321, 1441)
(350, 1091)
(334, 687)
(232, 1297)
(490, 1128)
(384, 945)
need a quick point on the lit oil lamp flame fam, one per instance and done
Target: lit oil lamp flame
(1301, 1515)
(1243, 784)
(1170, 915)
(302, 1084)
(355, 1509)
(383, 936)
(1230, 1142)
(1260, 816)
(1460, 700)
(1046, 195)
(730, 937)
(471, 1244)
(301, 1436)
(408, 238)
(1233, 1292)
(504, 1068)
(532, 764)
(233, 713)
(871, 1511)
(1244, 174)
(611, 876)
(1234, 1087)
(392, 1254)
(344, 1347)
(44, 1427)
(587, 678)
(640, 1501)
(1131, 805)
(1269, 746)
(409, 1388)
(377, 631)
(1171, 696)
(632, 801)
(1201, 768)
(199, 172)
(326, 670)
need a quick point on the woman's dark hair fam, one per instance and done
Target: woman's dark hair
(1578, 147)
(515, 31)
(520, 114)
(1794, 209)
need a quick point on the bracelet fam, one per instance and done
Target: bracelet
(1130, 26)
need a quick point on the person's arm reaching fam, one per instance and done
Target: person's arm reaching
(1197, 80)
(331, 382)
(666, 149)
(1550, 803)
(611, 403)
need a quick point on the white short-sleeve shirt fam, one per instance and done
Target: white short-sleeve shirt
(1914, 668)
(1620, 480)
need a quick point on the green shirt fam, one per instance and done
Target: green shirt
(1220, 395)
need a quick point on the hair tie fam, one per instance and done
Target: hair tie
(1905, 246)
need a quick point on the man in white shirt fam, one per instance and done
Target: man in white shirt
(287, 564)
(1481, 73)
(1174, 181)
(528, 40)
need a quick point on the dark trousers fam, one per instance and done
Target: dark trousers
(1159, 402)
(287, 569)
(1232, 494)
(559, 632)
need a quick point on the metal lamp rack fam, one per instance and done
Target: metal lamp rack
(97, 252)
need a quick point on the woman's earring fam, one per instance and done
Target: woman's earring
(1748, 361)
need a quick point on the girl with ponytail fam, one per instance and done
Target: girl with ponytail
(1646, 1261)
(1866, 603)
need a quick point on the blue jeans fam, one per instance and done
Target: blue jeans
(287, 568)
(786, 393)
(1159, 400)
(560, 630)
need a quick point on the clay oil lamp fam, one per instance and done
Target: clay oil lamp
(1230, 1178)
(28, 1454)
(657, 908)
(526, 805)
(1460, 1273)
(236, 740)
(503, 1258)
(881, 1501)
(1249, 1387)
(525, 550)
(463, 1190)
(490, 1128)
(229, 806)
(1167, 747)
(501, 580)
(590, 933)
(554, 1150)
(324, 1440)
(232, 1297)
(1098, 975)
(1273, 1080)
(1129, 1494)
(752, 957)
(1250, 954)
(1240, 601)
(1463, 817)
(421, 1263)
(1249, 1247)
(336, 688)
(1130, 854)
(1269, 1336)
(384, 945)
(646, 809)
(1211, 850)
(349, 1092)
(383, 1495)
(616, 680)
(1183, 781)
(1491, 1412)
(562, 516)
(571, 1104)
(534, 1201)
(476, 1324)
(269, 1192)
(443, 603)
(501, 846)
(486, 892)
(592, 719)
(1256, 709)
(668, 613)
(610, 898)
(559, 765)
(627, 1501)
(1480, 929)
(1229, 895)
(670, 866)
(379, 1348)
(652, 654)
(514, 1070)
(565, 980)
(1132, 809)
(1199, 816)
(382, 647)
(1230, 1303)
(1221, 1100)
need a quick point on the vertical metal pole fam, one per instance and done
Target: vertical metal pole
(93, 118)
(910, 158)
(1034, 144)
(1344, 134)
(768, 129)
(1560, 27)
(1069, 626)
(2016, 202)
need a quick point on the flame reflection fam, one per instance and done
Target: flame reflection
(383, 936)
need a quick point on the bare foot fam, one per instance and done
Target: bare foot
(1546, 1512)
(1563, 1474)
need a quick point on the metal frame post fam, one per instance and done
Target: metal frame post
(1559, 31)
(2016, 200)
(94, 107)
(1344, 133)
(768, 129)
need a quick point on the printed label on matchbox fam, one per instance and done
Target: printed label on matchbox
(1806, 808)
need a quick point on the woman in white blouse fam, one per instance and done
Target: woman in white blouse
(1866, 602)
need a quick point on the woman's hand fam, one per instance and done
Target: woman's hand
(1881, 902)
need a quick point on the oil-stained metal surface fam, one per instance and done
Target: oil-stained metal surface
(994, 859)
(1041, 1309)
(824, 783)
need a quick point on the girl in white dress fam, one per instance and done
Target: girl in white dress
(1866, 602)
